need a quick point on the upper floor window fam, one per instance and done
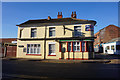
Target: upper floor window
(77, 30)
(33, 32)
(51, 32)
(89, 28)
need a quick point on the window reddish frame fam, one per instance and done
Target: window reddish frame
(80, 46)
(67, 46)
(51, 55)
(60, 47)
(71, 46)
(85, 46)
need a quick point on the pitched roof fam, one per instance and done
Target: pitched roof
(60, 21)
(111, 25)
(114, 39)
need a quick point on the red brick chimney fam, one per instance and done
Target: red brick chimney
(73, 15)
(59, 15)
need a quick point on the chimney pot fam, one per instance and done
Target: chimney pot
(73, 15)
(49, 17)
(59, 15)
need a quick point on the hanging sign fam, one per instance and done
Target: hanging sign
(89, 28)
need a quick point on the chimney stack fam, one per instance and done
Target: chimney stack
(59, 15)
(49, 18)
(73, 15)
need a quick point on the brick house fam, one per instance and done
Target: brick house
(8, 47)
(105, 35)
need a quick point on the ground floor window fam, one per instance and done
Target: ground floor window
(112, 47)
(52, 49)
(69, 46)
(33, 48)
(107, 48)
(76, 46)
(83, 46)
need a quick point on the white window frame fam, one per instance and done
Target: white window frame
(51, 29)
(75, 46)
(34, 31)
(51, 43)
(35, 50)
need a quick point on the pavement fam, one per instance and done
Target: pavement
(64, 61)
(99, 58)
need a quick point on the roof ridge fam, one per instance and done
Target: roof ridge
(56, 20)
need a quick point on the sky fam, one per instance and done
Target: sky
(14, 13)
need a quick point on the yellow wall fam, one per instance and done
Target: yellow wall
(59, 31)
(22, 54)
(26, 33)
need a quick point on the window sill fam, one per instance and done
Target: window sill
(33, 37)
(34, 54)
(51, 55)
(51, 36)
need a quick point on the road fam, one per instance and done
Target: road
(26, 70)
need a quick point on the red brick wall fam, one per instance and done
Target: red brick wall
(11, 51)
(106, 34)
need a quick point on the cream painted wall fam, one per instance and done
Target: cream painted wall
(41, 32)
(21, 54)
(59, 31)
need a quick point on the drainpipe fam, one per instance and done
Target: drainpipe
(45, 42)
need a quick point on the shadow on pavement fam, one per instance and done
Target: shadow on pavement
(106, 56)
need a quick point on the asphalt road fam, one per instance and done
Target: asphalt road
(26, 70)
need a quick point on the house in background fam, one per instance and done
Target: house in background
(8, 47)
(104, 36)
(60, 38)
(112, 47)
